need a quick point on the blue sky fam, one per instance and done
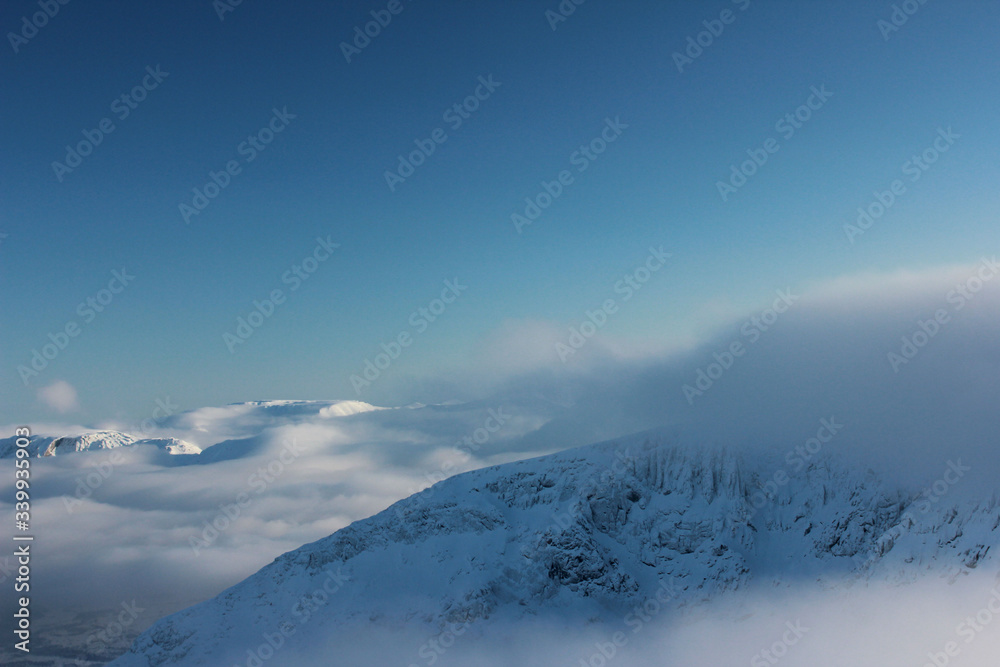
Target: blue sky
(323, 176)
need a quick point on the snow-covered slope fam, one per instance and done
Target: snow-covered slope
(89, 441)
(576, 534)
(36, 447)
(93, 440)
(171, 445)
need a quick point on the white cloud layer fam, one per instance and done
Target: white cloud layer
(59, 396)
(127, 534)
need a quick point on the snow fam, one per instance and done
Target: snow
(215, 424)
(93, 441)
(575, 534)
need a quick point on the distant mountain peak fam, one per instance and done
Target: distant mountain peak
(93, 441)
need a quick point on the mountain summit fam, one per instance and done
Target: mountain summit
(576, 534)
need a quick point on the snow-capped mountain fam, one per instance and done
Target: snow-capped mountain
(91, 441)
(171, 445)
(246, 419)
(237, 419)
(581, 532)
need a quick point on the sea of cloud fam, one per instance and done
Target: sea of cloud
(150, 531)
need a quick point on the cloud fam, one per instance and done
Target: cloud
(909, 361)
(802, 624)
(59, 396)
(825, 356)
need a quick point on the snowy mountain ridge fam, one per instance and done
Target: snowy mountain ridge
(578, 533)
(91, 441)
(247, 419)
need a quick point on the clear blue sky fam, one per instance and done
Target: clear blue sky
(323, 175)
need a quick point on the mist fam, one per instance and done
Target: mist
(138, 525)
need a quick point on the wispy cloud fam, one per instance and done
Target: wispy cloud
(59, 396)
